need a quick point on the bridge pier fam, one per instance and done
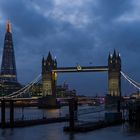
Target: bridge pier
(3, 116)
(118, 106)
(2, 113)
(134, 113)
(72, 113)
(11, 113)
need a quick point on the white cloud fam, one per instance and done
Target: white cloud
(74, 12)
(129, 18)
(71, 11)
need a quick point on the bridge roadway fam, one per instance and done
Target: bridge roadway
(81, 69)
(18, 99)
(82, 100)
(27, 99)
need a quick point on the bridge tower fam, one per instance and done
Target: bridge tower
(49, 77)
(114, 75)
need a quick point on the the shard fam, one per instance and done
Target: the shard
(8, 75)
(8, 66)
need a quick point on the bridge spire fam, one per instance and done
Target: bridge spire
(114, 54)
(109, 56)
(55, 62)
(49, 58)
(119, 58)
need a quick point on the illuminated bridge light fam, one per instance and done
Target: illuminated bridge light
(79, 67)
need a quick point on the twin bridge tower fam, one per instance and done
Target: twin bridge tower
(50, 70)
(48, 76)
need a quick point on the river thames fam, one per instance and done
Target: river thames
(55, 131)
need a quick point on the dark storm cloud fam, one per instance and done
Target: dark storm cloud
(78, 32)
(110, 9)
(26, 18)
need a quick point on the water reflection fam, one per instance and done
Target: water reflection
(28, 113)
(55, 131)
(7, 133)
(71, 136)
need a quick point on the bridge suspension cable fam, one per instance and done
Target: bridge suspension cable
(138, 84)
(131, 81)
(24, 89)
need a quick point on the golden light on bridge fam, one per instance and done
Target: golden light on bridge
(54, 75)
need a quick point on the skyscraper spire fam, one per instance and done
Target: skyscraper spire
(9, 27)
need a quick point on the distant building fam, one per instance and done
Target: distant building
(8, 74)
(61, 91)
(64, 91)
(135, 95)
(36, 90)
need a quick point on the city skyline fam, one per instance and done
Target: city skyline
(86, 40)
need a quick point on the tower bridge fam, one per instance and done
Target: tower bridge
(48, 77)
(50, 70)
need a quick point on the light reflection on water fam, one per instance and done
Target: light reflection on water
(35, 113)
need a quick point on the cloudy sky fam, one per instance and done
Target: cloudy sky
(75, 31)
